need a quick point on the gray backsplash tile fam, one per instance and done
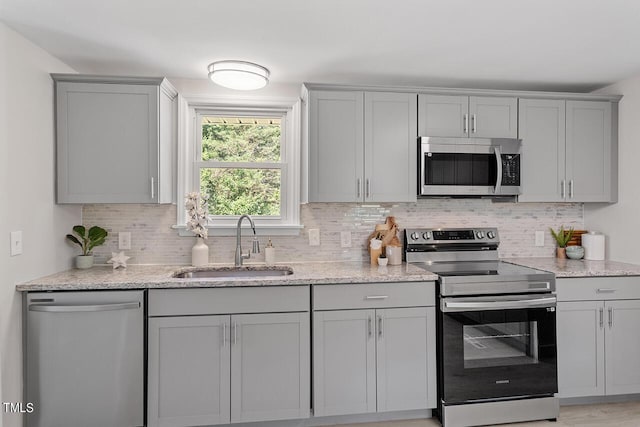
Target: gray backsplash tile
(153, 241)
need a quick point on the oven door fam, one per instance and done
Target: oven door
(497, 347)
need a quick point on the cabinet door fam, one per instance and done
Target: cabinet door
(344, 364)
(270, 373)
(189, 371)
(336, 146)
(406, 365)
(580, 327)
(443, 115)
(589, 151)
(107, 143)
(622, 347)
(542, 130)
(493, 117)
(390, 147)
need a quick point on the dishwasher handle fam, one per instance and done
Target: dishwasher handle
(84, 308)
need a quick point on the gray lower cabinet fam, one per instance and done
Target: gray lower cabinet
(568, 151)
(115, 139)
(362, 146)
(598, 342)
(227, 368)
(376, 359)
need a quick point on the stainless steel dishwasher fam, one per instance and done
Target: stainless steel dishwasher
(85, 358)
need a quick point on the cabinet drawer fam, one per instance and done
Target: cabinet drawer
(598, 288)
(264, 299)
(373, 295)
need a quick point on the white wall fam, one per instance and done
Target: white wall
(27, 180)
(619, 222)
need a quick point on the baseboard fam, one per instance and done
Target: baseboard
(570, 401)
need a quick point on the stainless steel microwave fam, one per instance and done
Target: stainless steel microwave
(469, 167)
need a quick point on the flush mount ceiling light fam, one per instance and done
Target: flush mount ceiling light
(239, 75)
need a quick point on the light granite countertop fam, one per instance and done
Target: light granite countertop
(577, 268)
(161, 276)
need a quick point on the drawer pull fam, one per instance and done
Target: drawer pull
(605, 290)
(376, 297)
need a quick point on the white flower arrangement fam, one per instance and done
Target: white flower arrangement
(196, 206)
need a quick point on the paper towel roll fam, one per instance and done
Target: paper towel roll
(593, 243)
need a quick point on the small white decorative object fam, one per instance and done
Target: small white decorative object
(118, 259)
(196, 206)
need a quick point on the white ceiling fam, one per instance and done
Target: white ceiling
(575, 45)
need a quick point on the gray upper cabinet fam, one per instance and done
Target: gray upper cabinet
(467, 116)
(567, 149)
(542, 130)
(336, 146)
(362, 146)
(589, 151)
(116, 139)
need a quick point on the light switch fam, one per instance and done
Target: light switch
(16, 243)
(345, 239)
(539, 238)
(314, 237)
(124, 240)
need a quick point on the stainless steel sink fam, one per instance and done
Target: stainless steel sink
(234, 272)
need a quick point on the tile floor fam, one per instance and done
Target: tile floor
(610, 415)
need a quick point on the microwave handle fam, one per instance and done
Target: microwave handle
(499, 170)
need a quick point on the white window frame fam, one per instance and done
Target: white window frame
(190, 111)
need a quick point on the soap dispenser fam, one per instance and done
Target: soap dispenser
(269, 254)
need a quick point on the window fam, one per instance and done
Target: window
(247, 160)
(239, 165)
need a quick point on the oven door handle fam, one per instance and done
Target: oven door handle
(470, 305)
(498, 170)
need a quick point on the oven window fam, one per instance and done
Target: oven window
(500, 344)
(460, 169)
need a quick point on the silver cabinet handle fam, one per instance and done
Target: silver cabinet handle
(153, 188)
(465, 122)
(601, 317)
(563, 188)
(366, 191)
(224, 334)
(358, 188)
(379, 326)
(610, 317)
(235, 333)
(369, 329)
(84, 308)
(605, 290)
(571, 189)
(498, 169)
(373, 297)
(473, 123)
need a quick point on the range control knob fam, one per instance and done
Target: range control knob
(426, 235)
(480, 234)
(491, 234)
(415, 236)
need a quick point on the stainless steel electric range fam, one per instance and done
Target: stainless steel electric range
(496, 329)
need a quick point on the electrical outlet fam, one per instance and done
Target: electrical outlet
(124, 240)
(539, 238)
(16, 243)
(314, 237)
(345, 239)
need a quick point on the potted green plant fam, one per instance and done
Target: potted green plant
(87, 240)
(562, 237)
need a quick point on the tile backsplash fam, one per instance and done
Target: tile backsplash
(154, 241)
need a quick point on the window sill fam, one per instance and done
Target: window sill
(261, 230)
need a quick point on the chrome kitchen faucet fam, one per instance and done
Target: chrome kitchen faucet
(256, 244)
